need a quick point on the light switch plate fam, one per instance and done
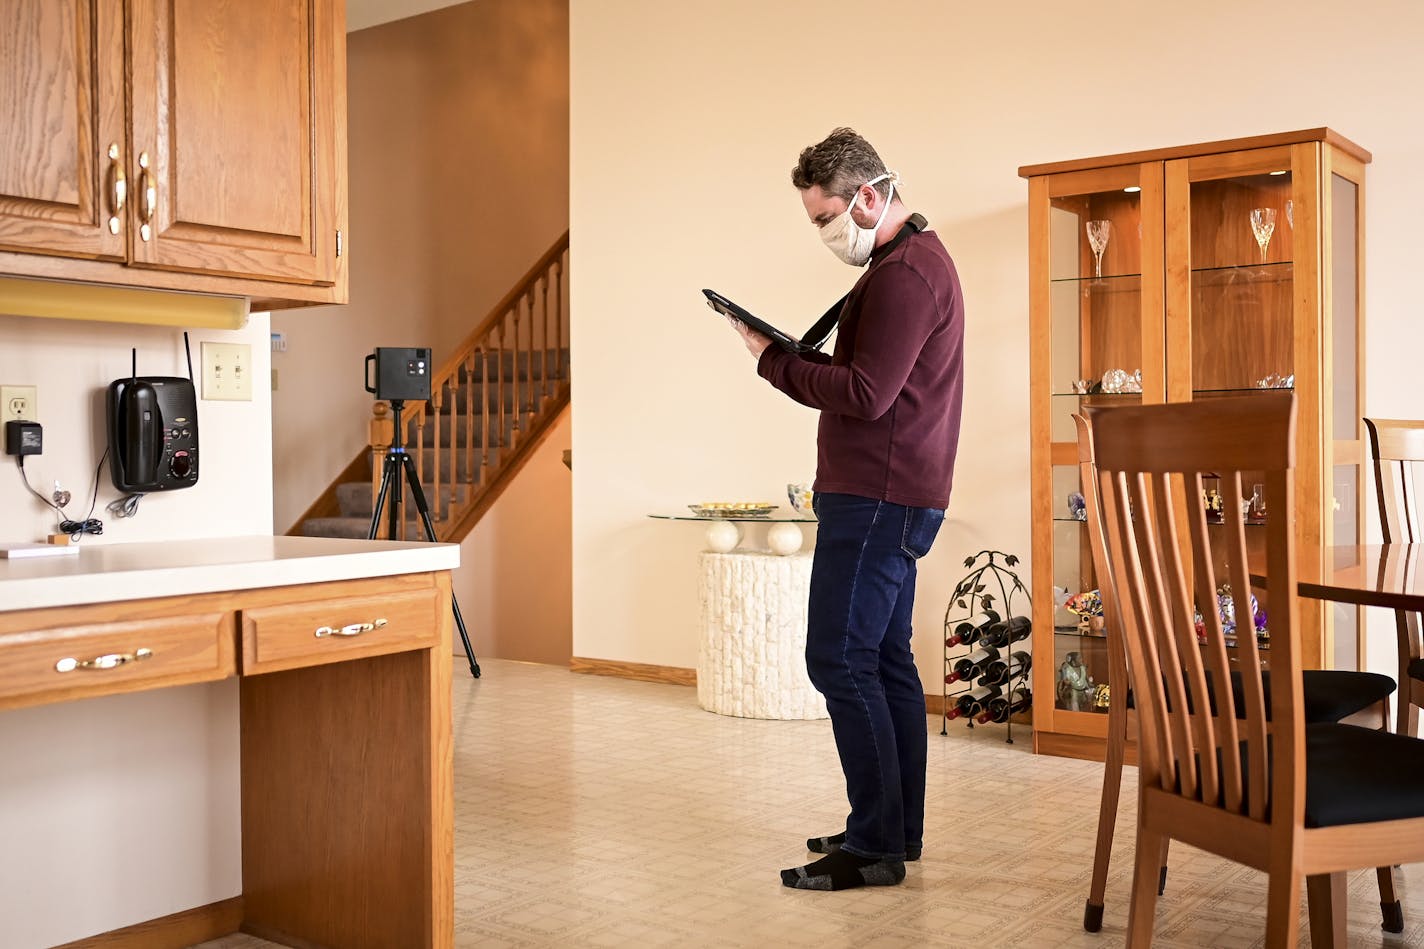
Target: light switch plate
(227, 372)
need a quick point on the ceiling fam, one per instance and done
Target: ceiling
(363, 13)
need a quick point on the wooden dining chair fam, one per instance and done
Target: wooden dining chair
(1397, 446)
(1329, 696)
(1241, 774)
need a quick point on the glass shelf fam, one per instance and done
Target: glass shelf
(1098, 395)
(1111, 280)
(1238, 391)
(1273, 272)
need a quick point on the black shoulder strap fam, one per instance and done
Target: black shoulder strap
(817, 335)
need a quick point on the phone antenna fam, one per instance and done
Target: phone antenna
(133, 372)
(189, 353)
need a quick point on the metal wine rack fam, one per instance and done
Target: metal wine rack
(990, 585)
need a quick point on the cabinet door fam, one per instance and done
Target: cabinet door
(234, 117)
(1095, 296)
(61, 114)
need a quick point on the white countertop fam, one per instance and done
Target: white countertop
(104, 573)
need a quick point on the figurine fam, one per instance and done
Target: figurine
(1215, 506)
(1101, 695)
(1077, 506)
(1074, 684)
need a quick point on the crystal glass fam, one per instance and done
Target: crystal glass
(1263, 225)
(1290, 213)
(1098, 234)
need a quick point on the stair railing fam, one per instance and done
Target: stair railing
(498, 385)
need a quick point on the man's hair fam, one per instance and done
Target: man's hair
(839, 164)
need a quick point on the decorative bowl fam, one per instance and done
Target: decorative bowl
(715, 509)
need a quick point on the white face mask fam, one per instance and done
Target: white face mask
(847, 239)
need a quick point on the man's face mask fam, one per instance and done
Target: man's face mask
(847, 239)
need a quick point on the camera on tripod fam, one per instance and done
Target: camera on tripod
(402, 374)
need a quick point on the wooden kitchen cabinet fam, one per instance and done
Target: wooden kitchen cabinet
(176, 144)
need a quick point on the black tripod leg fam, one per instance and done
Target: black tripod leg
(417, 494)
(388, 471)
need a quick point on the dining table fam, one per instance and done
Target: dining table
(1386, 575)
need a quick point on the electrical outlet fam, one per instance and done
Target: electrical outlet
(17, 402)
(227, 372)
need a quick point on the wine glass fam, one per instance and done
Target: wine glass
(1263, 225)
(1098, 234)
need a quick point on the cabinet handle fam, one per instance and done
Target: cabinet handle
(110, 661)
(118, 188)
(355, 629)
(149, 189)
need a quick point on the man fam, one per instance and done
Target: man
(889, 399)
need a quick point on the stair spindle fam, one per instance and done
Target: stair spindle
(437, 396)
(470, 423)
(544, 392)
(559, 319)
(381, 430)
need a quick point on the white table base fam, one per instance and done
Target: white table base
(751, 660)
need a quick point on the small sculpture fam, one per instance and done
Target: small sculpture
(1077, 506)
(1074, 684)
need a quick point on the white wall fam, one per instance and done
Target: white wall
(681, 152)
(121, 809)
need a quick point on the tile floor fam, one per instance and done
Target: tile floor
(602, 812)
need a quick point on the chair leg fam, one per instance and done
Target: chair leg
(1408, 717)
(1391, 910)
(1326, 894)
(1146, 870)
(1107, 816)
(1283, 909)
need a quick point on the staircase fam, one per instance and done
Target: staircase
(492, 402)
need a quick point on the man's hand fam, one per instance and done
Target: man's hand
(756, 342)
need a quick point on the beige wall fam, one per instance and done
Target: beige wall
(681, 153)
(458, 183)
(515, 580)
(172, 753)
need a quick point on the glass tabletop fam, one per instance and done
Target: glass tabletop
(786, 516)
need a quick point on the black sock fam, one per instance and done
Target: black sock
(833, 843)
(843, 870)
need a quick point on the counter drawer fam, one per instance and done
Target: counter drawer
(335, 630)
(76, 662)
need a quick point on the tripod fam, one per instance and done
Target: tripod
(397, 459)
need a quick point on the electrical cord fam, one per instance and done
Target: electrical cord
(75, 529)
(126, 506)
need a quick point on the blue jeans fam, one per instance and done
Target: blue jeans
(858, 656)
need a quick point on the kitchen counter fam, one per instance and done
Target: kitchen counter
(107, 573)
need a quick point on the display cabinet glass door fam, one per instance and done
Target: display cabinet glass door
(1098, 239)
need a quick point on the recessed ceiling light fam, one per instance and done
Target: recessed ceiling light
(1281, 172)
(1133, 189)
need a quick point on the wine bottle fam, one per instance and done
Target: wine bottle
(968, 703)
(1003, 670)
(1002, 634)
(969, 632)
(1000, 707)
(971, 665)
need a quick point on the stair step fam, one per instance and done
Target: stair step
(354, 498)
(553, 361)
(448, 431)
(530, 394)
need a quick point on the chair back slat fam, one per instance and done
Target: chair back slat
(1397, 446)
(1149, 469)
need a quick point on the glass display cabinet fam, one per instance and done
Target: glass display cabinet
(1181, 274)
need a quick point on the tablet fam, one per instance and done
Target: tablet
(726, 307)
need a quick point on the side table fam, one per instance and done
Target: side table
(751, 658)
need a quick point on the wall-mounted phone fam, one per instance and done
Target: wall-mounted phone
(153, 431)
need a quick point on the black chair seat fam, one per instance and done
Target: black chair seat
(1354, 775)
(1415, 669)
(1330, 694)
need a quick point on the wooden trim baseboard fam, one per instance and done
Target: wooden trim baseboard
(670, 675)
(187, 928)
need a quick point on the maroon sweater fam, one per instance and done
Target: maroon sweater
(891, 393)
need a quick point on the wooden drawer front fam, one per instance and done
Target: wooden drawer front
(75, 662)
(311, 633)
